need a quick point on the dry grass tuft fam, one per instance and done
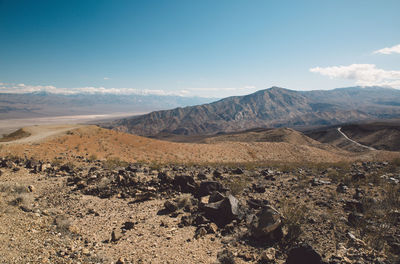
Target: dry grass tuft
(294, 217)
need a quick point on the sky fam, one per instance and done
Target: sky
(208, 48)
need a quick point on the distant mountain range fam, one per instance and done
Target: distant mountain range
(273, 107)
(44, 104)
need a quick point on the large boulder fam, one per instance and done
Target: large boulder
(224, 211)
(266, 225)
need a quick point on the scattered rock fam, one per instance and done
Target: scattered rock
(226, 257)
(342, 188)
(31, 188)
(303, 254)
(266, 225)
(200, 232)
(185, 183)
(128, 225)
(223, 212)
(116, 235)
(268, 256)
(170, 206)
(208, 187)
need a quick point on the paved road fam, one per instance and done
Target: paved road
(355, 142)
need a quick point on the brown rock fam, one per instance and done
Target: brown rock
(116, 235)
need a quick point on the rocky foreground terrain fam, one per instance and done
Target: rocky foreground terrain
(82, 210)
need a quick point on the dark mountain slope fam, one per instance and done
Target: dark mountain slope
(274, 107)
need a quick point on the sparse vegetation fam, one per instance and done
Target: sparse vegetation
(294, 217)
(236, 184)
(114, 162)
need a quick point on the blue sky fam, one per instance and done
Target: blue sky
(208, 48)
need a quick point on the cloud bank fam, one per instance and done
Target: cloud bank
(24, 88)
(387, 51)
(362, 74)
(188, 92)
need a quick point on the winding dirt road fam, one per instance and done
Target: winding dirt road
(355, 142)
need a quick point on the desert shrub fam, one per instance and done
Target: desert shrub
(155, 165)
(184, 201)
(56, 162)
(294, 217)
(236, 185)
(23, 200)
(14, 188)
(62, 223)
(92, 157)
(383, 214)
(396, 162)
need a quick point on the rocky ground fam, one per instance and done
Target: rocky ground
(82, 210)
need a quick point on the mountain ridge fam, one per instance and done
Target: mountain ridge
(272, 107)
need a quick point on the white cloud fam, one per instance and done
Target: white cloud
(213, 89)
(23, 88)
(186, 92)
(390, 50)
(107, 78)
(362, 74)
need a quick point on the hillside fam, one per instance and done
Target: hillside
(382, 135)
(92, 141)
(274, 107)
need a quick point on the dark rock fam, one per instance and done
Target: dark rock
(165, 177)
(358, 176)
(303, 254)
(67, 168)
(185, 221)
(359, 194)
(237, 171)
(354, 206)
(355, 219)
(212, 228)
(215, 197)
(223, 212)
(128, 225)
(201, 176)
(200, 232)
(259, 188)
(226, 257)
(395, 246)
(116, 235)
(208, 187)
(185, 183)
(171, 206)
(199, 220)
(342, 188)
(217, 174)
(257, 203)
